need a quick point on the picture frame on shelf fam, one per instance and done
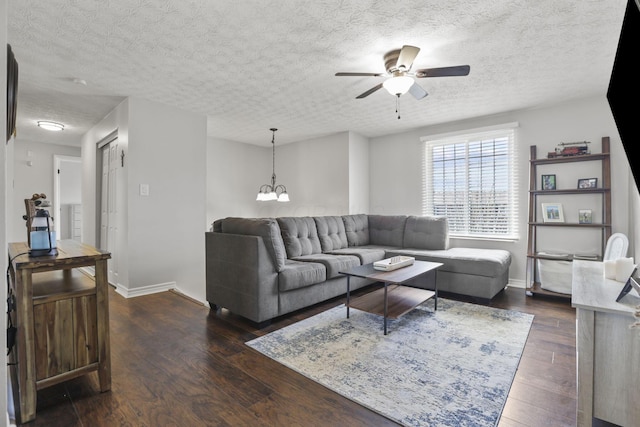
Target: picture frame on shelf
(585, 216)
(588, 183)
(552, 212)
(548, 182)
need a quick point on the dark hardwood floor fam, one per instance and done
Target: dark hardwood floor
(176, 363)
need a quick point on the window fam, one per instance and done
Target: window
(471, 179)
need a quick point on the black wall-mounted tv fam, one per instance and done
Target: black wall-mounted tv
(624, 86)
(12, 92)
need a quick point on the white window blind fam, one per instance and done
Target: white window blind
(472, 180)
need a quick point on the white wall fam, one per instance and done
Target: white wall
(316, 173)
(5, 179)
(167, 151)
(37, 178)
(358, 174)
(71, 181)
(396, 160)
(160, 239)
(235, 171)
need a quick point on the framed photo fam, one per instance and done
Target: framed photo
(585, 216)
(548, 182)
(552, 212)
(588, 183)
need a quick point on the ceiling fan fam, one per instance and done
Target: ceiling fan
(398, 65)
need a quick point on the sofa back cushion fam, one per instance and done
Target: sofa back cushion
(267, 228)
(427, 232)
(331, 233)
(387, 230)
(357, 229)
(300, 236)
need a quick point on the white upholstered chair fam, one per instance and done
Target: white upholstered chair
(617, 246)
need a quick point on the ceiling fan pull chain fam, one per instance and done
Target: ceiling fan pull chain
(398, 106)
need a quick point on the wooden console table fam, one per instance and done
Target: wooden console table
(608, 351)
(62, 320)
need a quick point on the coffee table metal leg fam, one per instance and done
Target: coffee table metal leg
(435, 297)
(385, 308)
(348, 287)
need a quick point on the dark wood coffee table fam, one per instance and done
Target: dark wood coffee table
(395, 298)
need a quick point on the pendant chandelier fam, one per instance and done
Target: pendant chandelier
(272, 191)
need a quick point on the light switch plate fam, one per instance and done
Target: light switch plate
(144, 189)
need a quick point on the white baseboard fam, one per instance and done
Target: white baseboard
(144, 290)
(515, 283)
(194, 300)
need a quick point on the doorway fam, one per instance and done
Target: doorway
(67, 194)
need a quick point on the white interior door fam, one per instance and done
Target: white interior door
(108, 205)
(104, 199)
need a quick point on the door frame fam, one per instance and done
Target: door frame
(57, 160)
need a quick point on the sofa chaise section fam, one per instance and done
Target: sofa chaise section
(480, 273)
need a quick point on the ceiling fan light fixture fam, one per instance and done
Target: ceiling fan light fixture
(398, 85)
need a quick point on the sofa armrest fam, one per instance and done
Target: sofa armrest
(241, 275)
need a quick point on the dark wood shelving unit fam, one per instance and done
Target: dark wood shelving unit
(533, 286)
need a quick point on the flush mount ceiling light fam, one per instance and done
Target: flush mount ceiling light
(52, 126)
(272, 191)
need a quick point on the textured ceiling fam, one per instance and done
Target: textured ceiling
(252, 65)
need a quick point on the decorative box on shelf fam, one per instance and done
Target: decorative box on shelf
(393, 263)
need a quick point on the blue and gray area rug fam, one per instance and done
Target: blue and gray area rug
(452, 367)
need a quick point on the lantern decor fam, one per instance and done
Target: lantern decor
(41, 233)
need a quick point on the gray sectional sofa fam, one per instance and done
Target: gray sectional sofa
(262, 268)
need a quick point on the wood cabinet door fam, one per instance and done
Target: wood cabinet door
(65, 335)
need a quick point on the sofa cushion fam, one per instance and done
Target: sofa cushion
(333, 263)
(300, 236)
(357, 229)
(296, 274)
(426, 232)
(387, 230)
(366, 255)
(331, 232)
(267, 228)
(471, 261)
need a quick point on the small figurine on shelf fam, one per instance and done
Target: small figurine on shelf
(565, 149)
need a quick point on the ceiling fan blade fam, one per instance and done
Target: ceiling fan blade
(417, 91)
(369, 92)
(406, 57)
(359, 74)
(459, 70)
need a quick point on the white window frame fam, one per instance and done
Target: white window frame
(463, 227)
